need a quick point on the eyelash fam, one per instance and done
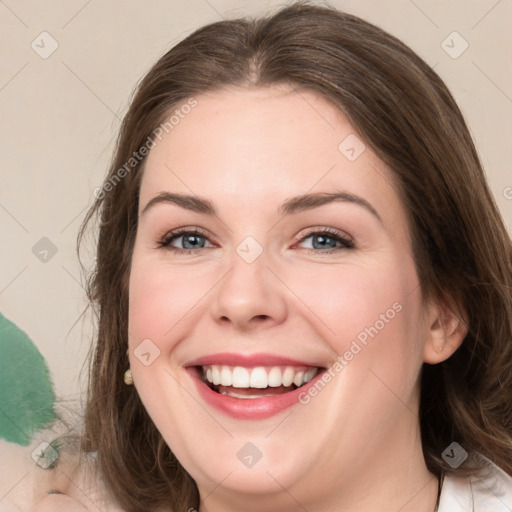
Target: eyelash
(346, 242)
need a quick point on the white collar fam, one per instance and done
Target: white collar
(488, 491)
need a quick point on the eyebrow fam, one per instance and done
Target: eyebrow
(289, 207)
(310, 201)
(193, 203)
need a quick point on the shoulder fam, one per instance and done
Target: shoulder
(73, 503)
(72, 485)
(53, 502)
(490, 490)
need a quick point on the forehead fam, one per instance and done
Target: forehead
(257, 146)
(261, 125)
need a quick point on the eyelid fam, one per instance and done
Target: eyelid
(318, 230)
(165, 240)
(185, 229)
(345, 243)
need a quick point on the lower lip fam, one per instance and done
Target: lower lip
(251, 408)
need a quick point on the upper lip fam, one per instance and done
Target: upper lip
(248, 360)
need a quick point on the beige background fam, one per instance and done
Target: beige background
(60, 115)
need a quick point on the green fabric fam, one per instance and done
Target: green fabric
(26, 392)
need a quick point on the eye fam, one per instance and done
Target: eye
(326, 240)
(188, 241)
(185, 240)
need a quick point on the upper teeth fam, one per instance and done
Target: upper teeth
(258, 377)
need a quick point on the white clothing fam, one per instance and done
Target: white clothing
(488, 491)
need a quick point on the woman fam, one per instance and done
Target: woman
(303, 283)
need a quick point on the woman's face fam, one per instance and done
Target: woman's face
(272, 248)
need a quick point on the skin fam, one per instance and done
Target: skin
(78, 488)
(247, 151)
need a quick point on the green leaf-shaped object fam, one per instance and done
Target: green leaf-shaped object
(26, 393)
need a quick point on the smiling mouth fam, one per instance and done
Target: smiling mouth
(256, 382)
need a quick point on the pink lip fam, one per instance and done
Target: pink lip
(248, 360)
(248, 408)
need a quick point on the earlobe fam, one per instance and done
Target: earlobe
(446, 333)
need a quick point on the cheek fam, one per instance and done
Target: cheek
(373, 319)
(369, 315)
(161, 298)
(353, 301)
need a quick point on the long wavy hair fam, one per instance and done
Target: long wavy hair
(405, 113)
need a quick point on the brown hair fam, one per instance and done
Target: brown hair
(404, 112)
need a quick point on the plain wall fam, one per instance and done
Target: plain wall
(60, 116)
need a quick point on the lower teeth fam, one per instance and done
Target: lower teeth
(236, 395)
(246, 393)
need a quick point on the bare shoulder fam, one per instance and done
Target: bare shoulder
(74, 486)
(53, 502)
(85, 503)
(71, 484)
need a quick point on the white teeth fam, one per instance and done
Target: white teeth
(245, 397)
(275, 377)
(259, 377)
(288, 376)
(240, 377)
(309, 375)
(225, 376)
(215, 375)
(298, 379)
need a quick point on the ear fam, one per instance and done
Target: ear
(446, 331)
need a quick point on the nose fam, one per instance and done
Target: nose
(250, 296)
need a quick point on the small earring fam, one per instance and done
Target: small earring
(438, 347)
(128, 379)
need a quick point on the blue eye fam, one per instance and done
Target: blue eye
(187, 241)
(192, 241)
(327, 241)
